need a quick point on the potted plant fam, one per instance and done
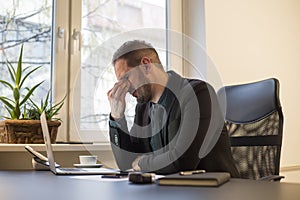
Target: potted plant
(23, 123)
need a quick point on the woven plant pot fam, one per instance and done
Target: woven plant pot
(26, 131)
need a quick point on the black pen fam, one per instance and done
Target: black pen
(122, 174)
(114, 176)
(186, 173)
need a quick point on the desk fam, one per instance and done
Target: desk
(43, 185)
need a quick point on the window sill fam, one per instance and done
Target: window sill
(105, 146)
(16, 157)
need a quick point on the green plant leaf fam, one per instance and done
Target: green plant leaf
(57, 109)
(7, 84)
(10, 113)
(19, 68)
(27, 88)
(22, 81)
(60, 101)
(26, 68)
(44, 106)
(13, 115)
(6, 102)
(17, 111)
(24, 115)
(12, 71)
(6, 117)
(30, 92)
(8, 99)
(16, 92)
(34, 105)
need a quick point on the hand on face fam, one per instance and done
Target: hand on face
(116, 98)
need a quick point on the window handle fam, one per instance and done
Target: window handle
(60, 40)
(75, 42)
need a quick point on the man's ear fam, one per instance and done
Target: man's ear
(145, 60)
(146, 64)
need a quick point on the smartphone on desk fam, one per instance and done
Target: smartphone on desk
(38, 157)
(36, 154)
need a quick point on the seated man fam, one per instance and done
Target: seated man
(178, 123)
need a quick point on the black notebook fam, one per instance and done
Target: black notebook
(209, 179)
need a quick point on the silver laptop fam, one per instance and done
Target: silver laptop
(68, 171)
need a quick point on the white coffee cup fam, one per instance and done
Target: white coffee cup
(88, 159)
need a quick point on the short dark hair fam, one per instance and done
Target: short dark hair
(133, 51)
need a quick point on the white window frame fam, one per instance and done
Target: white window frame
(68, 17)
(60, 51)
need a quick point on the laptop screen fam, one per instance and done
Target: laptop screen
(47, 141)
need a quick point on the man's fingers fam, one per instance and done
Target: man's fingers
(119, 90)
(109, 92)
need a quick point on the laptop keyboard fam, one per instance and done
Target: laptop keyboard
(70, 169)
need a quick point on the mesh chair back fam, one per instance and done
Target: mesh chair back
(254, 120)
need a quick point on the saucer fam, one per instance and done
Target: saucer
(88, 165)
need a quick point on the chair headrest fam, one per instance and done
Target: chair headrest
(250, 102)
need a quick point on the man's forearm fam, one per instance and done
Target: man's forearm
(126, 147)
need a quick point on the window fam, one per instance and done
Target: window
(74, 41)
(29, 23)
(105, 25)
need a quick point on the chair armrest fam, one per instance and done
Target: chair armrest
(271, 178)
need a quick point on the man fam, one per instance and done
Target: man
(178, 123)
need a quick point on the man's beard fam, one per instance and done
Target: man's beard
(144, 94)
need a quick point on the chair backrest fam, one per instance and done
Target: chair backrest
(254, 120)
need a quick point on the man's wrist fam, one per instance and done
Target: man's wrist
(118, 123)
(111, 117)
(116, 117)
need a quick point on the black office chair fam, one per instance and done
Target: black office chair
(254, 120)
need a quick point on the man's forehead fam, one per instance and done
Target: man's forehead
(122, 70)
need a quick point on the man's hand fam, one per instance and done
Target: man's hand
(135, 164)
(116, 98)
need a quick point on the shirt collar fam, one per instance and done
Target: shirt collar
(172, 85)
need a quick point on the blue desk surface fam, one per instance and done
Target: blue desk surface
(43, 185)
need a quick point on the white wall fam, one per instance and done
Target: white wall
(251, 40)
(194, 40)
